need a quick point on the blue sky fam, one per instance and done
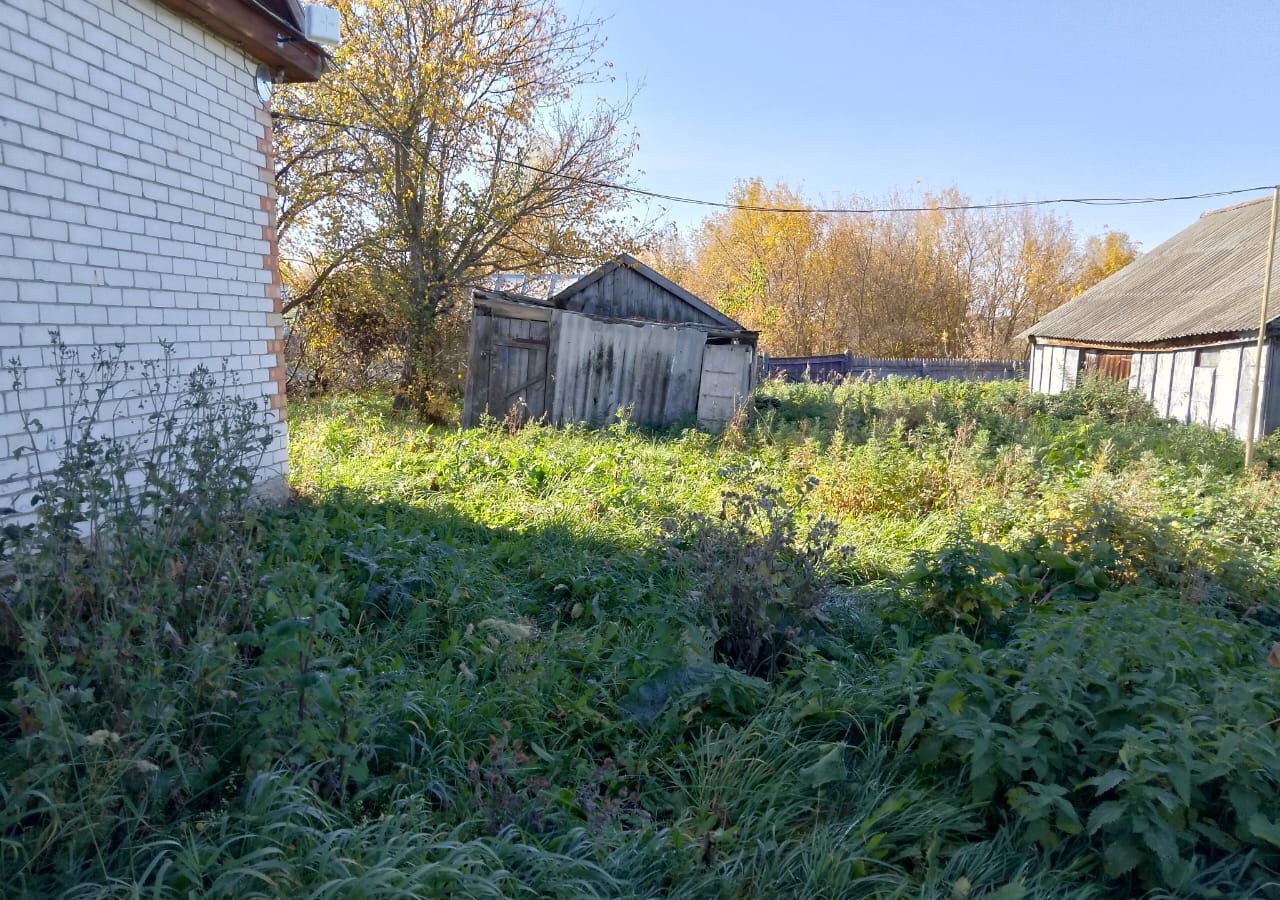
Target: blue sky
(1023, 100)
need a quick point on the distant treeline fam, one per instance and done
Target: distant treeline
(909, 284)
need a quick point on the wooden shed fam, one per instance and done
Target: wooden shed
(622, 339)
(1179, 324)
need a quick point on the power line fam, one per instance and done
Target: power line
(805, 210)
(1010, 204)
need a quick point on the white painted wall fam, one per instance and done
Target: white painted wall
(1214, 396)
(1053, 370)
(134, 198)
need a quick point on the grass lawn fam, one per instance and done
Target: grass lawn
(942, 640)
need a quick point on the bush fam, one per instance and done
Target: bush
(1100, 397)
(764, 575)
(125, 597)
(968, 582)
(1135, 724)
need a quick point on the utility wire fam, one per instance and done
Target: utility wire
(804, 210)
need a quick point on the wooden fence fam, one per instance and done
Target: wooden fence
(828, 368)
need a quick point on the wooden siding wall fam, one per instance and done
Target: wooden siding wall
(604, 367)
(1216, 396)
(570, 367)
(1270, 418)
(1053, 369)
(624, 294)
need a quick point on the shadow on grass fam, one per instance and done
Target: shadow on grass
(389, 554)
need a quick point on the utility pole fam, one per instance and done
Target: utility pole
(1262, 331)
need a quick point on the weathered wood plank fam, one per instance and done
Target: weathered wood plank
(1245, 390)
(1144, 374)
(1056, 355)
(1070, 367)
(721, 384)
(683, 387)
(1269, 421)
(1267, 400)
(625, 294)
(552, 402)
(473, 393)
(1202, 384)
(1222, 410)
(720, 393)
(1180, 391)
(508, 310)
(1162, 384)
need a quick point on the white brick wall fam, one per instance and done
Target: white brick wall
(130, 201)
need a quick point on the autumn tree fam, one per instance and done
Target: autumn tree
(447, 143)
(756, 264)
(1019, 265)
(668, 252)
(1104, 255)
(924, 276)
(899, 281)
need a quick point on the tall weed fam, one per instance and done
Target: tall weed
(125, 594)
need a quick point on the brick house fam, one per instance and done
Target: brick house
(137, 196)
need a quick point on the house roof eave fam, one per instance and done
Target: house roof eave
(264, 35)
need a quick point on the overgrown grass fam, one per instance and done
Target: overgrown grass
(490, 664)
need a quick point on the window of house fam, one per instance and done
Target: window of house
(1207, 359)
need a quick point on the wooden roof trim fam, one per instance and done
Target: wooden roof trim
(262, 34)
(1183, 343)
(626, 260)
(521, 307)
(512, 305)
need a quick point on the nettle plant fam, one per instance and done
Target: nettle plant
(765, 570)
(120, 595)
(1136, 726)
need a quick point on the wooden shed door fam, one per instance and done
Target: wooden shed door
(1115, 364)
(516, 368)
(726, 381)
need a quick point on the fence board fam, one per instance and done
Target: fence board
(826, 368)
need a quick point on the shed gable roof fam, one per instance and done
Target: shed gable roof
(1205, 280)
(629, 262)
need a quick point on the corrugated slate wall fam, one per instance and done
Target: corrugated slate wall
(602, 367)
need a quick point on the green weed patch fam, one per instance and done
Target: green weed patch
(905, 639)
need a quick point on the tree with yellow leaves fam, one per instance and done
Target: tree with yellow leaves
(756, 265)
(927, 279)
(444, 145)
(1104, 255)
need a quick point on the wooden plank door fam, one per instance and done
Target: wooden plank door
(1114, 364)
(515, 363)
(726, 382)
